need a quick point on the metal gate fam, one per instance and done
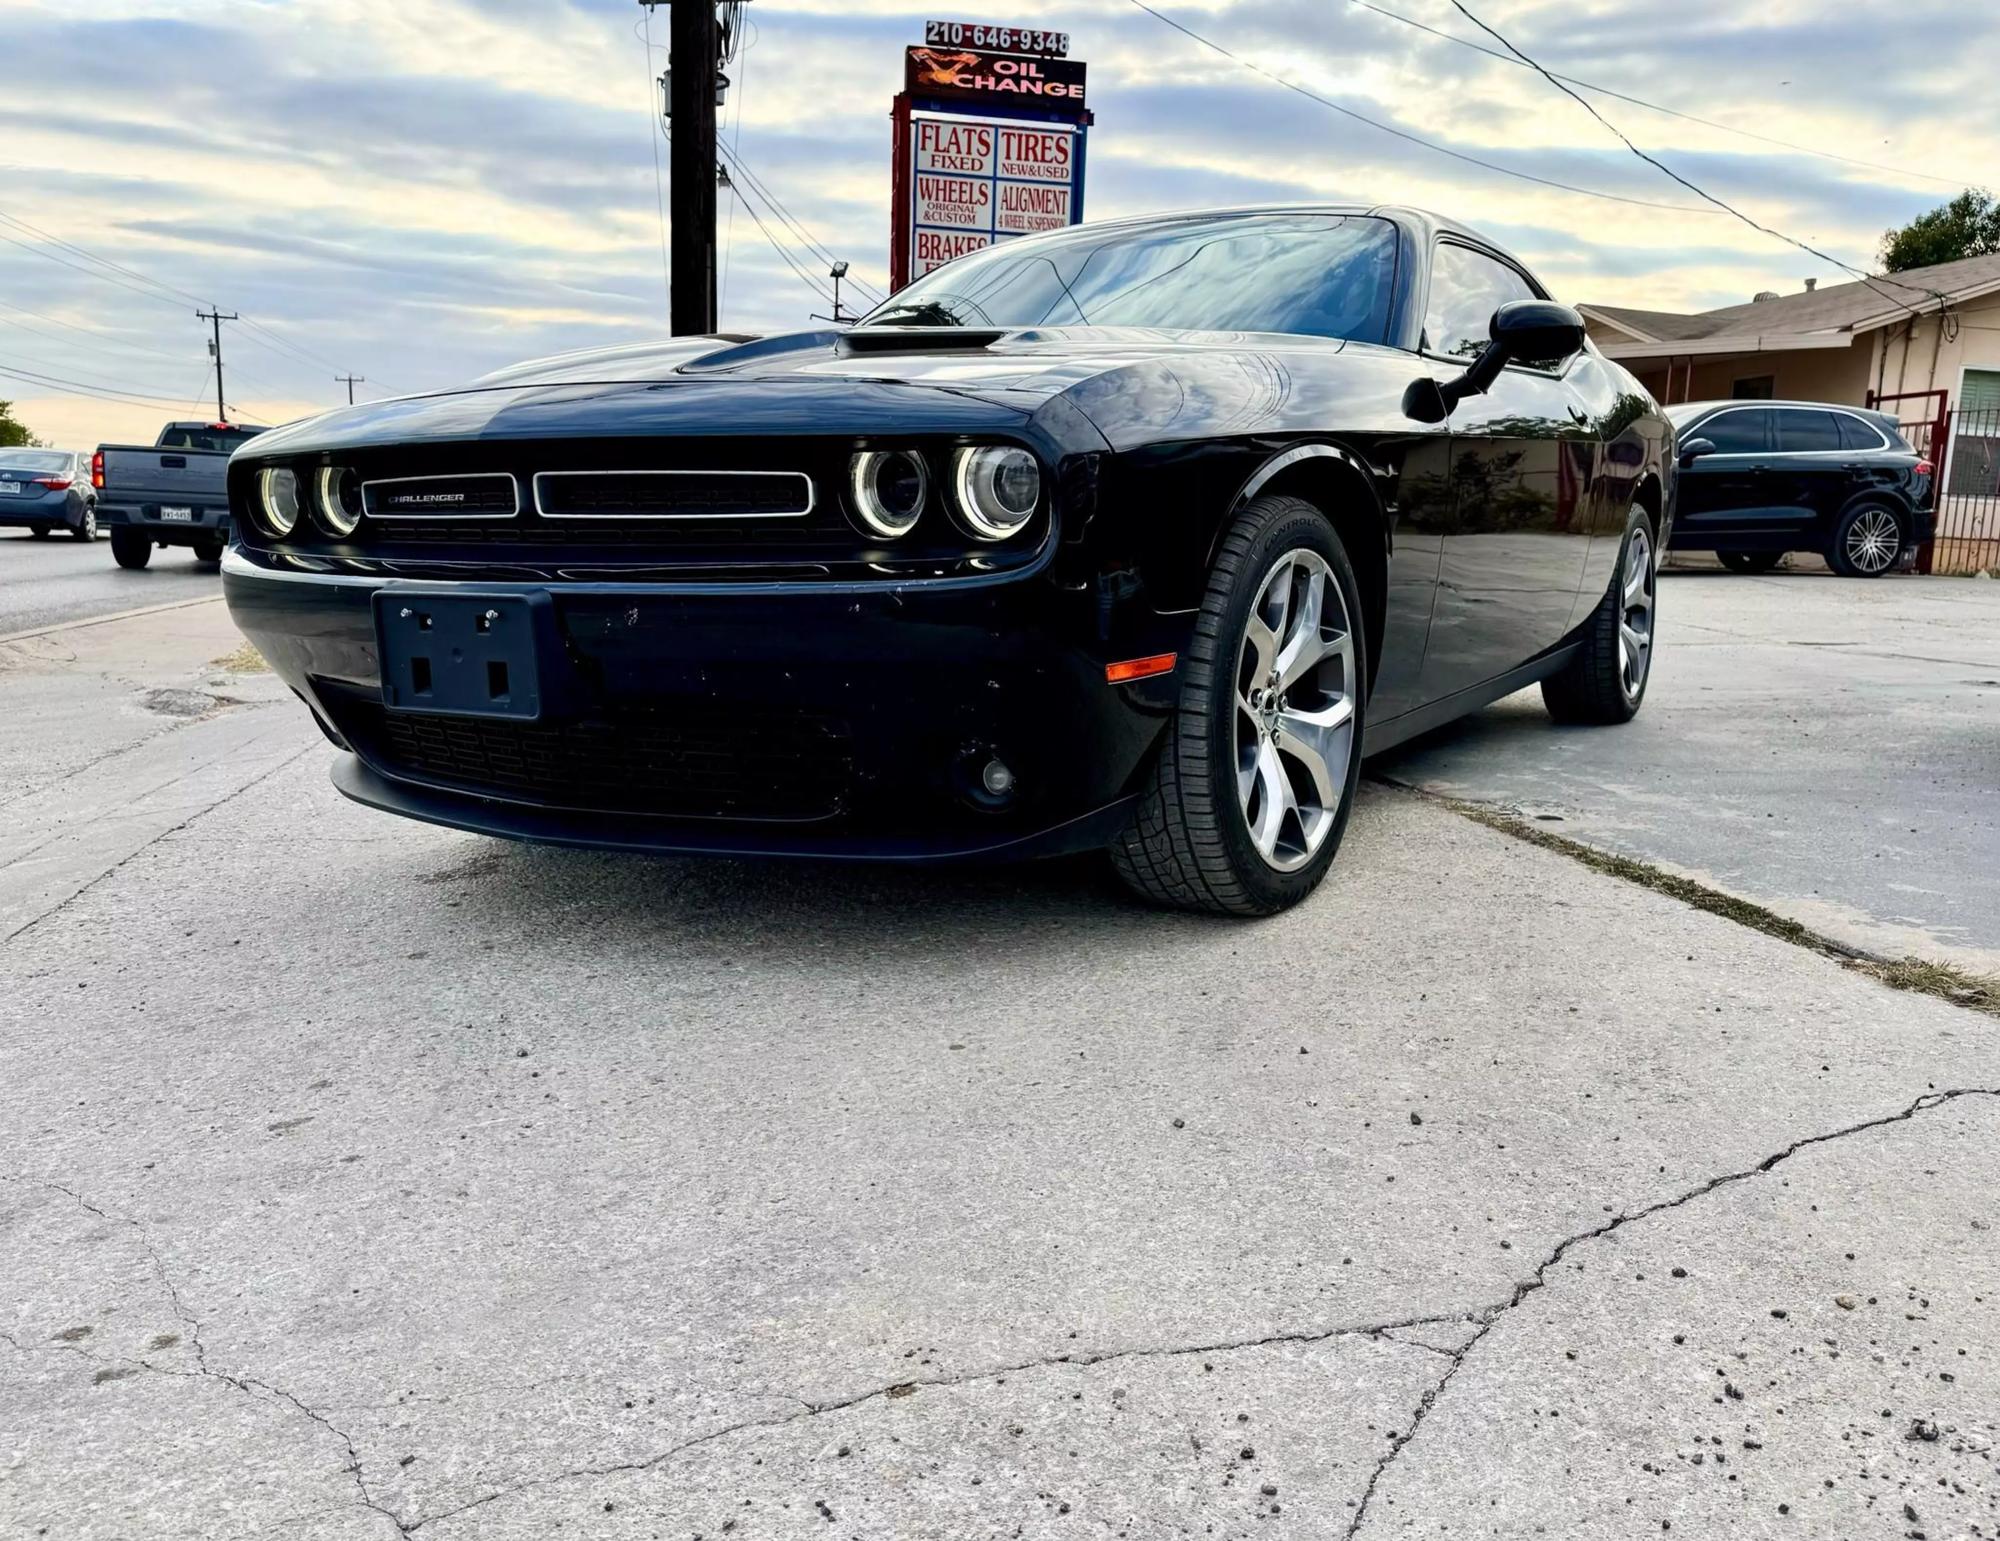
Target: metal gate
(1968, 497)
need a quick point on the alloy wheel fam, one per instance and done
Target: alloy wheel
(1635, 613)
(1294, 709)
(1874, 540)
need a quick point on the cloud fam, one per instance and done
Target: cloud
(422, 190)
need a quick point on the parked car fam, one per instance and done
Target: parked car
(1133, 535)
(168, 493)
(47, 489)
(1761, 478)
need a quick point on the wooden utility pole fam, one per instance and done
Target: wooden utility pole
(693, 62)
(215, 347)
(350, 381)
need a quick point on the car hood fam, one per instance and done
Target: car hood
(914, 379)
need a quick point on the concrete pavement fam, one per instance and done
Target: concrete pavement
(1826, 747)
(367, 1179)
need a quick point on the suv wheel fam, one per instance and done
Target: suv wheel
(1866, 542)
(1250, 794)
(130, 548)
(1605, 680)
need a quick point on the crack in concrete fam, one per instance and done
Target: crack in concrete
(1491, 1316)
(1483, 1319)
(247, 1384)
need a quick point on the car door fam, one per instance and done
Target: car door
(1725, 495)
(1809, 474)
(1526, 464)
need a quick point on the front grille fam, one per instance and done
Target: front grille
(673, 494)
(488, 496)
(683, 759)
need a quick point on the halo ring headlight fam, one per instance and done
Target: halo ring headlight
(889, 489)
(277, 500)
(336, 500)
(996, 489)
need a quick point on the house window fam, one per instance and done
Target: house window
(1975, 435)
(1753, 388)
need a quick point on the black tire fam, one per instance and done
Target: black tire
(1750, 561)
(39, 531)
(1189, 844)
(1857, 549)
(1597, 684)
(208, 550)
(130, 548)
(86, 527)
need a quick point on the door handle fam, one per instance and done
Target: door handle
(174, 462)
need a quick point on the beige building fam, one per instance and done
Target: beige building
(1924, 345)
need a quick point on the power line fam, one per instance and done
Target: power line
(1727, 208)
(777, 246)
(148, 294)
(165, 290)
(1637, 101)
(64, 387)
(653, 139)
(770, 199)
(1404, 134)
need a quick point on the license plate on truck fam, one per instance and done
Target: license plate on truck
(178, 515)
(471, 655)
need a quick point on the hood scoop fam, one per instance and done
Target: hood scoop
(920, 339)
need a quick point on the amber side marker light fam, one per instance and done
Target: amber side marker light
(1139, 668)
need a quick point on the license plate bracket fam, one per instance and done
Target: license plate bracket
(177, 514)
(465, 654)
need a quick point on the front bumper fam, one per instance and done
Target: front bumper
(849, 721)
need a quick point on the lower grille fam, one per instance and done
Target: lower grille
(673, 494)
(685, 760)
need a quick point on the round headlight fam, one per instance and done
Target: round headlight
(889, 488)
(996, 489)
(337, 500)
(277, 500)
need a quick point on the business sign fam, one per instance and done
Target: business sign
(989, 143)
(977, 181)
(1008, 40)
(982, 75)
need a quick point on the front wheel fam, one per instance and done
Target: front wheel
(130, 548)
(1249, 796)
(208, 551)
(1866, 542)
(1605, 679)
(39, 531)
(1750, 561)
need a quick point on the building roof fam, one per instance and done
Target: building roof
(1838, 308)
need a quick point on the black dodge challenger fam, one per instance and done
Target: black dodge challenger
(1136, 535)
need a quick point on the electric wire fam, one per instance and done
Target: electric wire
(1405, 134)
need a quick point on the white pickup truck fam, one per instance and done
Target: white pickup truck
(172, 492)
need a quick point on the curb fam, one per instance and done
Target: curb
(106, 620)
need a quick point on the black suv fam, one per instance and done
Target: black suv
(1760, 478)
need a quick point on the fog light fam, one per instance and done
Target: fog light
(997, 778)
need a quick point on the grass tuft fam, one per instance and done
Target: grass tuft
(245, 660)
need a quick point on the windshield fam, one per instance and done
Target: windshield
(1316, 275)
(1682, 413)
(35, 459)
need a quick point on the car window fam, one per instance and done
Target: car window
(1737, 433)
(1802, 432)
(1318, 275)
(1855, 434)
(224, 439)
(44, 460)
(1466, 288)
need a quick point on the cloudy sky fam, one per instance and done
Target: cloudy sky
(420, 190)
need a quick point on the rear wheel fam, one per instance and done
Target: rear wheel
(86, 527)
(1605, 680)
(1866, 542)
(39, 531)
(1249, 797)
(1750, 561)
(130, 548)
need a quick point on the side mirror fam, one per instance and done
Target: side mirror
(1694, 449)
(1520, 329)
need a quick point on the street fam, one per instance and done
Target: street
(48, 582)
(370, 1179)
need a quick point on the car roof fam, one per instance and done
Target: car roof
(1690, 408)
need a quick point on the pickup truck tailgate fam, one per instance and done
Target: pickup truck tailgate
(135, 475)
